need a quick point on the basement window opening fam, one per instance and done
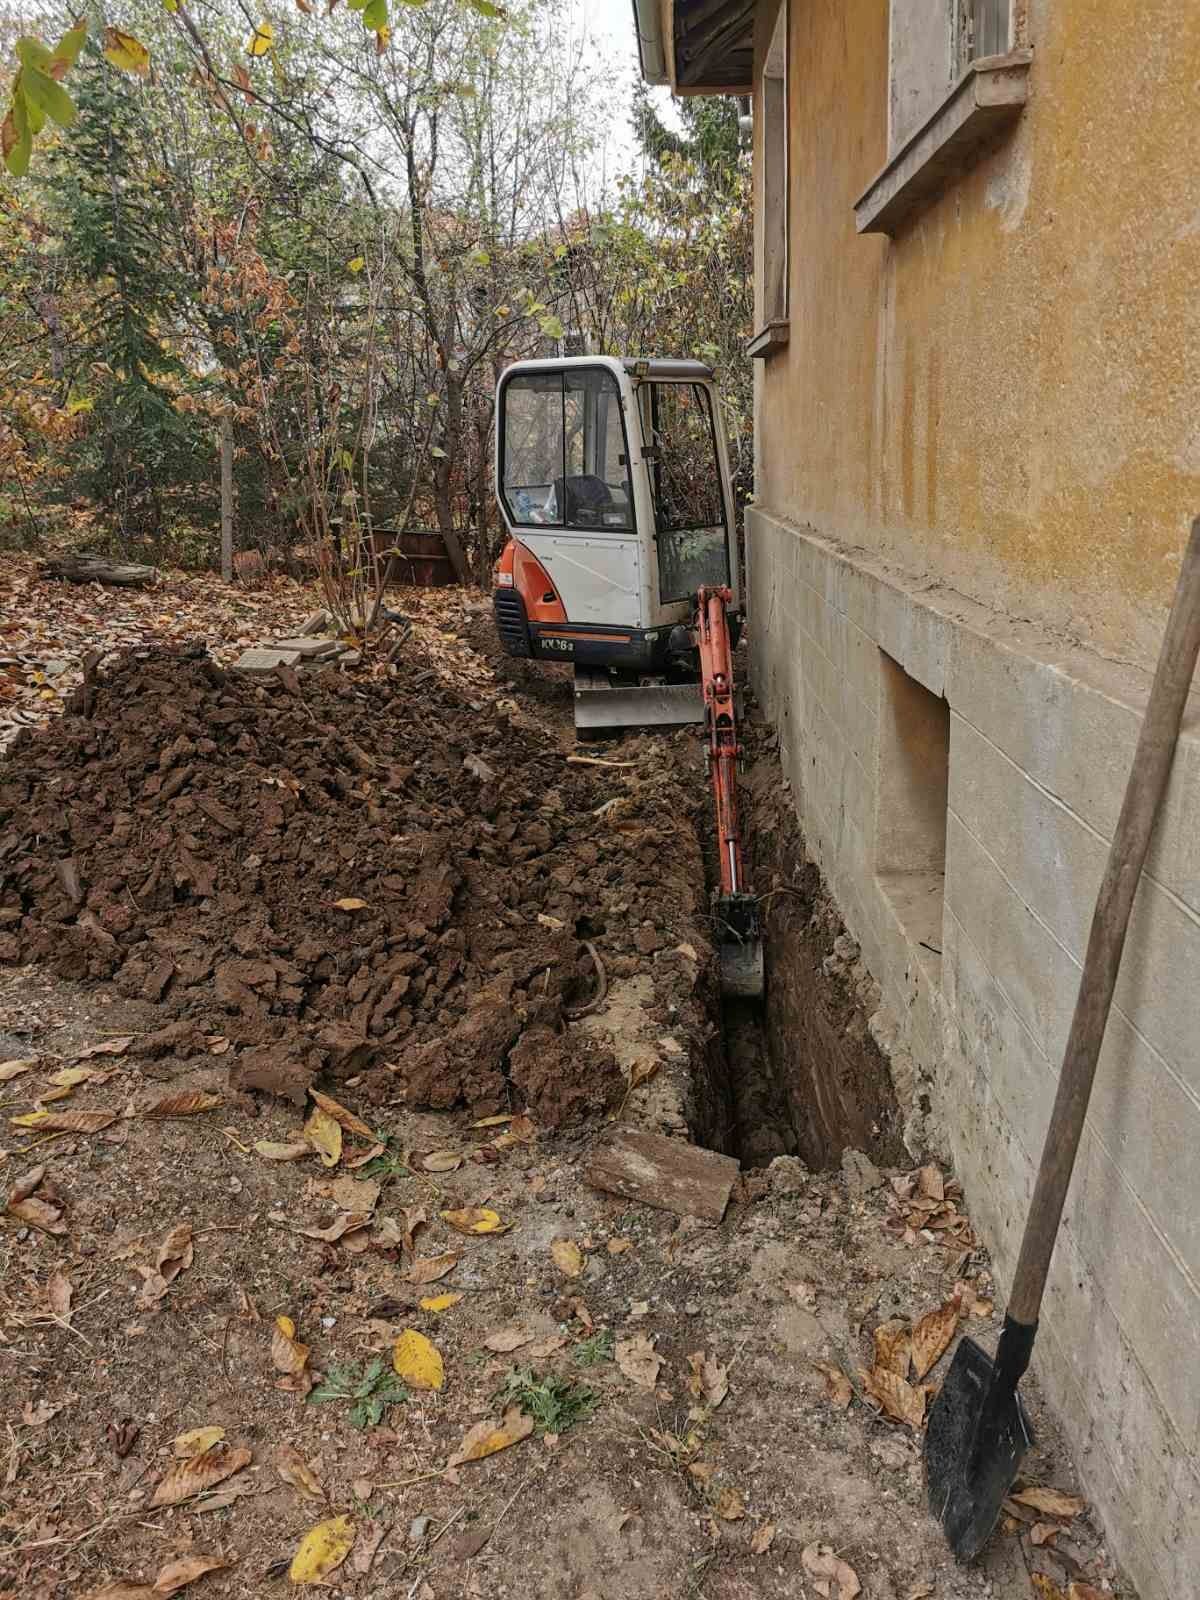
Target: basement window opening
(913, 791)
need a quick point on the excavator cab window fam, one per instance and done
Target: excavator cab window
(685, 480)
(564, 453)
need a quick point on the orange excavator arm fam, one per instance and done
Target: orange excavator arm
(739, 932)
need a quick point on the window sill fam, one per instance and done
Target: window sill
(774, 336)
(985, 101)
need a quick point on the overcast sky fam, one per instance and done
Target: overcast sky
(610, 24)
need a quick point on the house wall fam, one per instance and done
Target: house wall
(977, 459)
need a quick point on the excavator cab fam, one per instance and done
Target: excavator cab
(613, 482)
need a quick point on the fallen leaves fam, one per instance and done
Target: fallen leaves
(272, 1150)
(838, 1390)
(324, 1134)
(442, 1161)
(637, 1360)
(187, 1103)
(38, 1211)
(348, 1222)
(506, 1340)
(923, 1207)
(764, 1538)
(1050, 1502)
(59, 1293)
(192, 1475)
(15, 1067)
(730, 1505)
(418, 1361)
(827, 1569)
(65, 1121)
(708, 1381)
(342, 1115)
(486, 1438)
(438, 1303)
(932, 1335)
(295, 1471)
(322, 1550)
(174, 1254)
(568, 1257)
(196, 1441)
(898, 1398)
(428, 1269)
(475, 1219)
(174, 1576)
(290, 1357)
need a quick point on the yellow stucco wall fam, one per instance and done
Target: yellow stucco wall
(1007, 395)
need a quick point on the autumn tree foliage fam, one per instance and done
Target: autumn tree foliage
(331, 241)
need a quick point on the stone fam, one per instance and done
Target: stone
(263, 660)
(787, 1175)
(418, 1528)
(860, 1172)
(309, 649)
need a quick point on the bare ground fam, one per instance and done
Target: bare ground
(639, 1481)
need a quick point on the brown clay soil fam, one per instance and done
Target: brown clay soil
(700, 1403)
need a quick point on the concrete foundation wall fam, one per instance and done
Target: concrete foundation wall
(884, 688)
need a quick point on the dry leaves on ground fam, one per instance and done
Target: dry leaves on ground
(1050, 1502)
(900, 1400)
(196, 1441)
(708, 1381)
(730, 1505)
(273, 1150)
(342, 1115)
(485, 1438)
(294, 1470)
(418, 1361)
(174, 1576)
(16, 1066)
(568, 1257)
(187, 1103)
(637, 1360)
(428, 1269)
(764, 1538)
(831, 1576)
(59, 1293)
(348, 1222)
(507, 1339)
(290, 1357)
(322, 1550)
(194, 1474)
(39, 1211)
(475, 1219)
(324, 1134)
(838, 1389)
(174, 1254)
(65, 1121)
(442, 1161)
(438, 1303)
(931, 1336)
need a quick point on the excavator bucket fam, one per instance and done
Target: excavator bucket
(740, 946)
(742, 970)
(603, 702)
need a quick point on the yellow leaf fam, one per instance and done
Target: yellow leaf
(439, 1302)
(418, 1361)
(197, 1441)
(493, 1122)
(350, 903)
(475, 1219)
(72, 1077)
(126, 52)
(353, 905)
(568, 1257)
(261, 40)
(65, 1121)
(322, 1550)
(485, 1438)
(290, 1357)
(324, 1133)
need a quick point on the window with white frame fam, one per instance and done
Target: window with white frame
(979, 28)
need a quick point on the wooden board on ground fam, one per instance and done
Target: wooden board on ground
(665, 1173)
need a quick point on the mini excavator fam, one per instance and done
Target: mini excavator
(613, 482)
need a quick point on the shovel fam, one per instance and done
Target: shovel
(978, 1430)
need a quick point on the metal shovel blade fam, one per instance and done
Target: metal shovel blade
(978, 1432)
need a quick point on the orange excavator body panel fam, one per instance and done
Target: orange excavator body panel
(531, 581)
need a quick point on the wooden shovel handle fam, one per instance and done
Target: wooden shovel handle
(1135, 826)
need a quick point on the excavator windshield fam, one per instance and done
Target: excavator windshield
(564, 454)
(685, 481)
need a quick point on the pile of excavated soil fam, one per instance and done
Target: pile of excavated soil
(359, 878)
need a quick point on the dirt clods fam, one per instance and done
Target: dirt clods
(325, 879)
